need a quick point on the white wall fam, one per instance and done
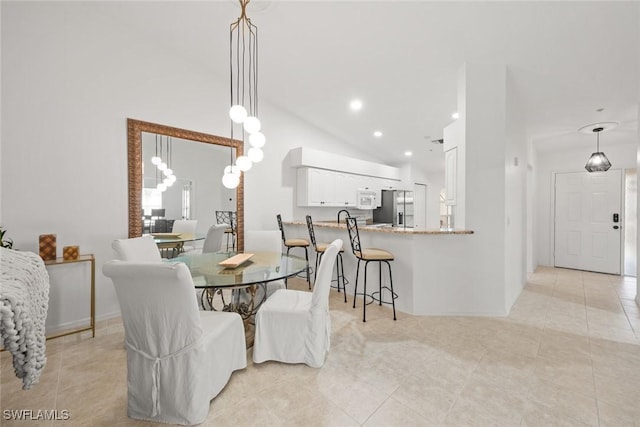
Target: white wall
(69, 81)
(435, 185)
(485, 135)
(573, 160)
(638, 165)
(516, 198)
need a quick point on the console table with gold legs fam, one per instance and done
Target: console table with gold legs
(82, 258)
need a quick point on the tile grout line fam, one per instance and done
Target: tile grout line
(593, 374)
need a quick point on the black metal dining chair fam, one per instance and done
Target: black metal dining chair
(230, 218)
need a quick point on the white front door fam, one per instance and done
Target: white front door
(587, 236)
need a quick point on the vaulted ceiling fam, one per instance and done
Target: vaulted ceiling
(566, 61)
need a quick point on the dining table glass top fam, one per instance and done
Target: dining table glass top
(261, 267)
(173, 238)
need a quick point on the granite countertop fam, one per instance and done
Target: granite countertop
(379, 228)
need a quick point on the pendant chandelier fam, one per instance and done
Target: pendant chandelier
(163, 162)
(243, 67)
(598, 162)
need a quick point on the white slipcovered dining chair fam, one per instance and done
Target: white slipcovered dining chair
(264, 241)
(213, 240)
(178, 358)
(185, 226)
(138, 249)
(295, 326)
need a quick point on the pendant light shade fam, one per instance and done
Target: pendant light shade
(243, 163)
(598, 162)
(257, 139)
(238, 113)
(255, 155)
(230, 180)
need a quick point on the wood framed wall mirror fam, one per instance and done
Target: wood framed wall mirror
(197, 160)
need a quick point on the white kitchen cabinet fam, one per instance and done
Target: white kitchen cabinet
(323, 187)
(450, 176)
(316, 187)
(345, 187)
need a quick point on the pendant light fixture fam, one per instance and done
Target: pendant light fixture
(598, 162)
(243, 67)
(163, 166)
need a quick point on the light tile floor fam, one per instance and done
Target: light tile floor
(567, 354)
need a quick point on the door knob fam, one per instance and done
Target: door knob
(615, 227)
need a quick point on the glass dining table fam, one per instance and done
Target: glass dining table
(171, 244)
(241, 289)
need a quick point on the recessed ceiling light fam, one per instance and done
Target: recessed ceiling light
(355, 105)
(377, 134)
(455, 116)
(408, 153)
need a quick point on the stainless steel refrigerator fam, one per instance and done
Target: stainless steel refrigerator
(396, 209)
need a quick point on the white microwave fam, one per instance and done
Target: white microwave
(366, 199)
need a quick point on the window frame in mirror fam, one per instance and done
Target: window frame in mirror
(134, 155)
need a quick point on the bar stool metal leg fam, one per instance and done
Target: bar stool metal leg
(355, 289)
(393, 294)
(340, 274)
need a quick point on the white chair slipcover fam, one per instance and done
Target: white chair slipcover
(178, 358)
(138, 249)
(295, 326)
(213, 241)
(185, 226)
(265, 241)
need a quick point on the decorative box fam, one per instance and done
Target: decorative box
(70, 252)
(48, 249)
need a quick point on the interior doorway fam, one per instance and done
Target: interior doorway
(588, 232)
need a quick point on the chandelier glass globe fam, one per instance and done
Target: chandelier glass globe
(251, 124)
(238, 113)
(230, 180)
(232, 169)
(243, 163)
(257, 139)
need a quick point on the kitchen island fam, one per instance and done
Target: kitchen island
(379, 228)
(432, 271)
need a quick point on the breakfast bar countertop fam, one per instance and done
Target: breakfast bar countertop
(381, 228)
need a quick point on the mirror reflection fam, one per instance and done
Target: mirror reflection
(175, 181)
(195, 191)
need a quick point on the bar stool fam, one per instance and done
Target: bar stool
(295, 243)
(320, 248)
(370, 255)
(229, 218)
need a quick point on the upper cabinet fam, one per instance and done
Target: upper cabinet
(328, 179)
(322, 187)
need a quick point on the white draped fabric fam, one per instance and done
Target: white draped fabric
(139, 249)
(24, 301)
(264, 241)
(295, 326)
(178, 358)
